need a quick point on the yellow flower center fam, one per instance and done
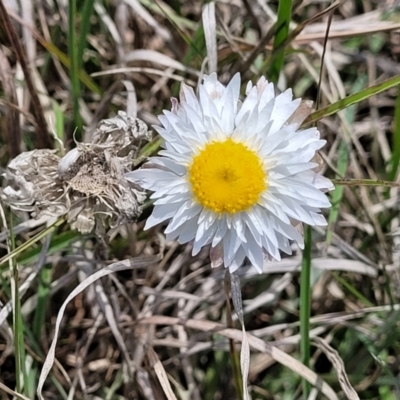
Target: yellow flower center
(227, 177)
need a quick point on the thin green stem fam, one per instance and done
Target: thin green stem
(305, 305)
(87, 12)
(396, 140)
(364, 182)
(43, 295)
(282, 31)
(33, 240)
(74, 70)
(18, 328)
(235, 360)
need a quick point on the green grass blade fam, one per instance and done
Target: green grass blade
(337, 194)
(196, 48)
(64, 59)
(352, 99)
(352, 289)
(150, 148)
(33, 240)
(365, 182)
(305, 306)
(58, 243)
(396, 140)
(18, 327)
(168, 12)
(282, 31)
(39, 319)
(43, 295)
(35, 345)
(75, 63)
(87, 12)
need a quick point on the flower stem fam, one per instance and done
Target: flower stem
(305, 303)
(237, 375)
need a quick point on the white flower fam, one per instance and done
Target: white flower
(236, 175)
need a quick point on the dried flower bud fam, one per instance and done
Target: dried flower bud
(88, 183)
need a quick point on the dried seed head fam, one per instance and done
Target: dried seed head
(88, 183)
(67, 163)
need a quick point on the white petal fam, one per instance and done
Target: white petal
(177, 186)
(207, 218)
(181, 158)
(203, 237)
(266, 92)
(213, 87)
(175, 198)
(239, 226)
(237, 261)
(254, 252)
(283, 109)
(271, 203)
(248, 106)
(169, 164)
(161, 213)
(188, 96)
(281, 171)
(208, 103)
(185, 233)
(151, 178)
(284, 244)
(231, 244)
(318, 181)
(187, 210)
(271, 248)
(222, 228)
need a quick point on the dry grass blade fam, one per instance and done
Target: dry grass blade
(12, 393)
(301, 26)
(42, 137)
(110, 25)
(146, 16)
(245, 350)
(254, 342)
(138, 262)
(359, 25)
(13, 130)
(113, 323)
(150, 71)
(337, 362)
(270, 295)
(210, 35)
(28, 40)
(158, 58)
(161, 373)
(131, 109)
(292, 264)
